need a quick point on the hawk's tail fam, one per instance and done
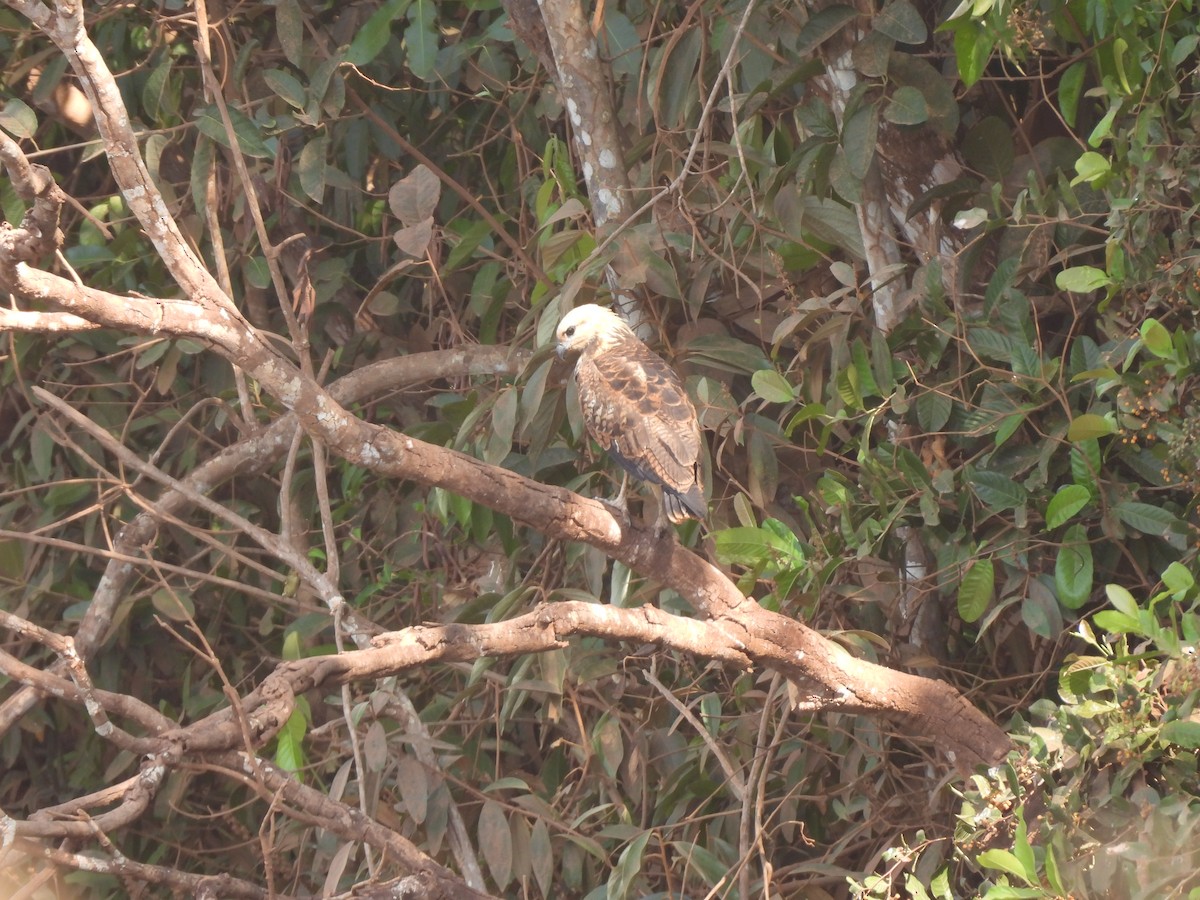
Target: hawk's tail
(688, 505)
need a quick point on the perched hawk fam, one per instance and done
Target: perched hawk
(635, 406)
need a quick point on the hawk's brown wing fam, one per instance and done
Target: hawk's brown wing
(636, 407)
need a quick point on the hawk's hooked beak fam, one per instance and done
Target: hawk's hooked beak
(561, 350)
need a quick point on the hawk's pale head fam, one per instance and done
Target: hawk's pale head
(590, 327)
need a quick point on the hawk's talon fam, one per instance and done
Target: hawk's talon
(618, 508)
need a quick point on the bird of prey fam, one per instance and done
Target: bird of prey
(636, 408)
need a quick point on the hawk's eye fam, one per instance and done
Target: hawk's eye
(570, 331)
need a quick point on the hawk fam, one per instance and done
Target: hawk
(636, 408)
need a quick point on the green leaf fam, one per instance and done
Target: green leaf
(18, 119)
(412, 779)
(1104, 127)
(289, 742)
(1184, 47)
(1070, 89)
(823, 25)
(541, 853)
(1067, 500)
(976, 590)
(1157, 339)
(311, 167)
(12, 560)
(702, 861)
(608, 744)
(375, 33)
(1121, 600)
(1085, 464)
(1008, 427)
(988, 147)
(1082, 279)
(997, 491)
(628, 867)
(1113, 622)
(728, 353)
(495, 842)
(1147, 519)
(287, 87)
(420, 40)
(1073, 569)
(504, 423)
(471, 238)
(1004, 861)
(900, 21)
(859, 138)
(1091, 167)
(772, 546)
(289, 29)
(772, 387)
(257, 272)
(847, 387)
(991, 343)
(933, 411)
(906, 106)
(1178, 579)
(866, 373)
(249, 138)
(1183, 733)
(1089, 426)
(1021, 848)
(673, 81)
(158, 95)
(972, 50)
(175, 605)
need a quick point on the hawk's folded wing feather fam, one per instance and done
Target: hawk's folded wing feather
(635, 406)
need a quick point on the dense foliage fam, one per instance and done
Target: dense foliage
(1000, 491)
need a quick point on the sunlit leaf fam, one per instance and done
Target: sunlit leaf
(976, 590)
(1067, 500)
(1185, 734)
(772, 386)
(972, 50)
(1082, 279)
(1157, 339)
(1089, 426)
(1090, 167)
